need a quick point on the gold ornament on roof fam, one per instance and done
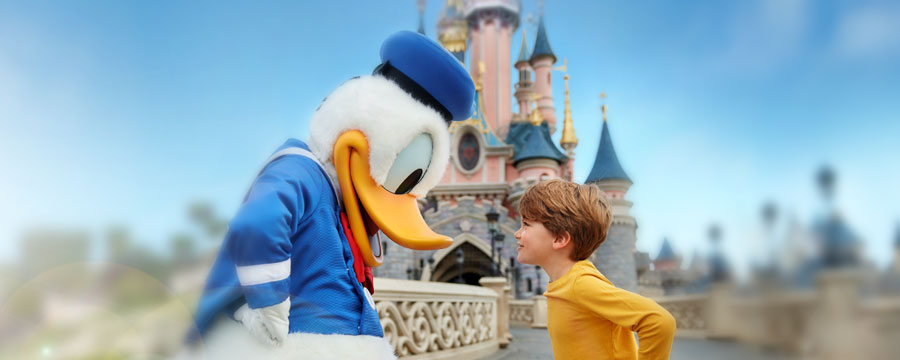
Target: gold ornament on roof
(536, 117)
(603, 105)
(564, 68)
(568, 132)
(452, 32)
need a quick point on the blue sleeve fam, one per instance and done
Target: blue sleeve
(259, 236)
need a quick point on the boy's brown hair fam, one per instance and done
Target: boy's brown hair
(563, 206)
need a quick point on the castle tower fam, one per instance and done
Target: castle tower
(524, 92)
(666, 259)
(568, 141)
(615, 257)
(491, 25)
(452, 29)
(542, 60)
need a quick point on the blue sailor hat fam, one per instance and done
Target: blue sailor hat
(429, 73)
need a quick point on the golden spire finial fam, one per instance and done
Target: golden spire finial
(603, 105)
(568, 140)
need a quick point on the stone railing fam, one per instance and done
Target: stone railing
(521, 312)
(431, 320)
(781, 320)
(688, 310)
(832, 320)
(883, 317)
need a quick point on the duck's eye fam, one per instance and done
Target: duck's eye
(410, 165)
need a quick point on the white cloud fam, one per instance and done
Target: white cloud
(871, 32)
(765, 34)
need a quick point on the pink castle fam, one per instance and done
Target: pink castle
(497, 154)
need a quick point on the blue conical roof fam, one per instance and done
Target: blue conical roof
(534, 143)
(666, 252)
(606, 164)
(524, 55)
(542, 43)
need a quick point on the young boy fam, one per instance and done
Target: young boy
(563, 223)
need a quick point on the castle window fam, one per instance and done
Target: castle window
(468, 151)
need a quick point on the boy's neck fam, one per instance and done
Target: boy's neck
(557, 268)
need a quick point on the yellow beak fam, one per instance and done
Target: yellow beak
(396, 215)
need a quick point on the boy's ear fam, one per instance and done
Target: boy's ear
(562, 240)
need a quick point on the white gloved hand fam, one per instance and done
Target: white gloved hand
(268, 324)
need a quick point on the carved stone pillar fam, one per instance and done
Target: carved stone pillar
(498, 284)
(507, 297)
(839, 335)
(720, 319)
(539, 317)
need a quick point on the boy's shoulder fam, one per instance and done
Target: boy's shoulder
(587, 276)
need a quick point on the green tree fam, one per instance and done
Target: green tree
(183, 249)
(203, 215)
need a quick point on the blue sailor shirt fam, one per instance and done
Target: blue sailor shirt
(286, 241)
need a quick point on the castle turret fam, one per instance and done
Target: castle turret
(491, 25)
(615, 257)
(607, 172)
(666, 259)
(524, 85)
(542, 60)
(535, 155)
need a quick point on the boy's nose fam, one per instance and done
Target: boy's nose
(516, 234)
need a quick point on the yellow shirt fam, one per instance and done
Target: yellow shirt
(589, 318)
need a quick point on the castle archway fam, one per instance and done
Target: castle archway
(476, 262)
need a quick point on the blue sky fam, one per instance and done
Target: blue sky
(117, 112)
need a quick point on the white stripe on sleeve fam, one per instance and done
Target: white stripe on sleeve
(263, 273)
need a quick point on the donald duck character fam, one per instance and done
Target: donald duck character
(293, 278)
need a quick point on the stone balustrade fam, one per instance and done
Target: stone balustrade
(431, 320)
(688, 310)
(521, 312)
